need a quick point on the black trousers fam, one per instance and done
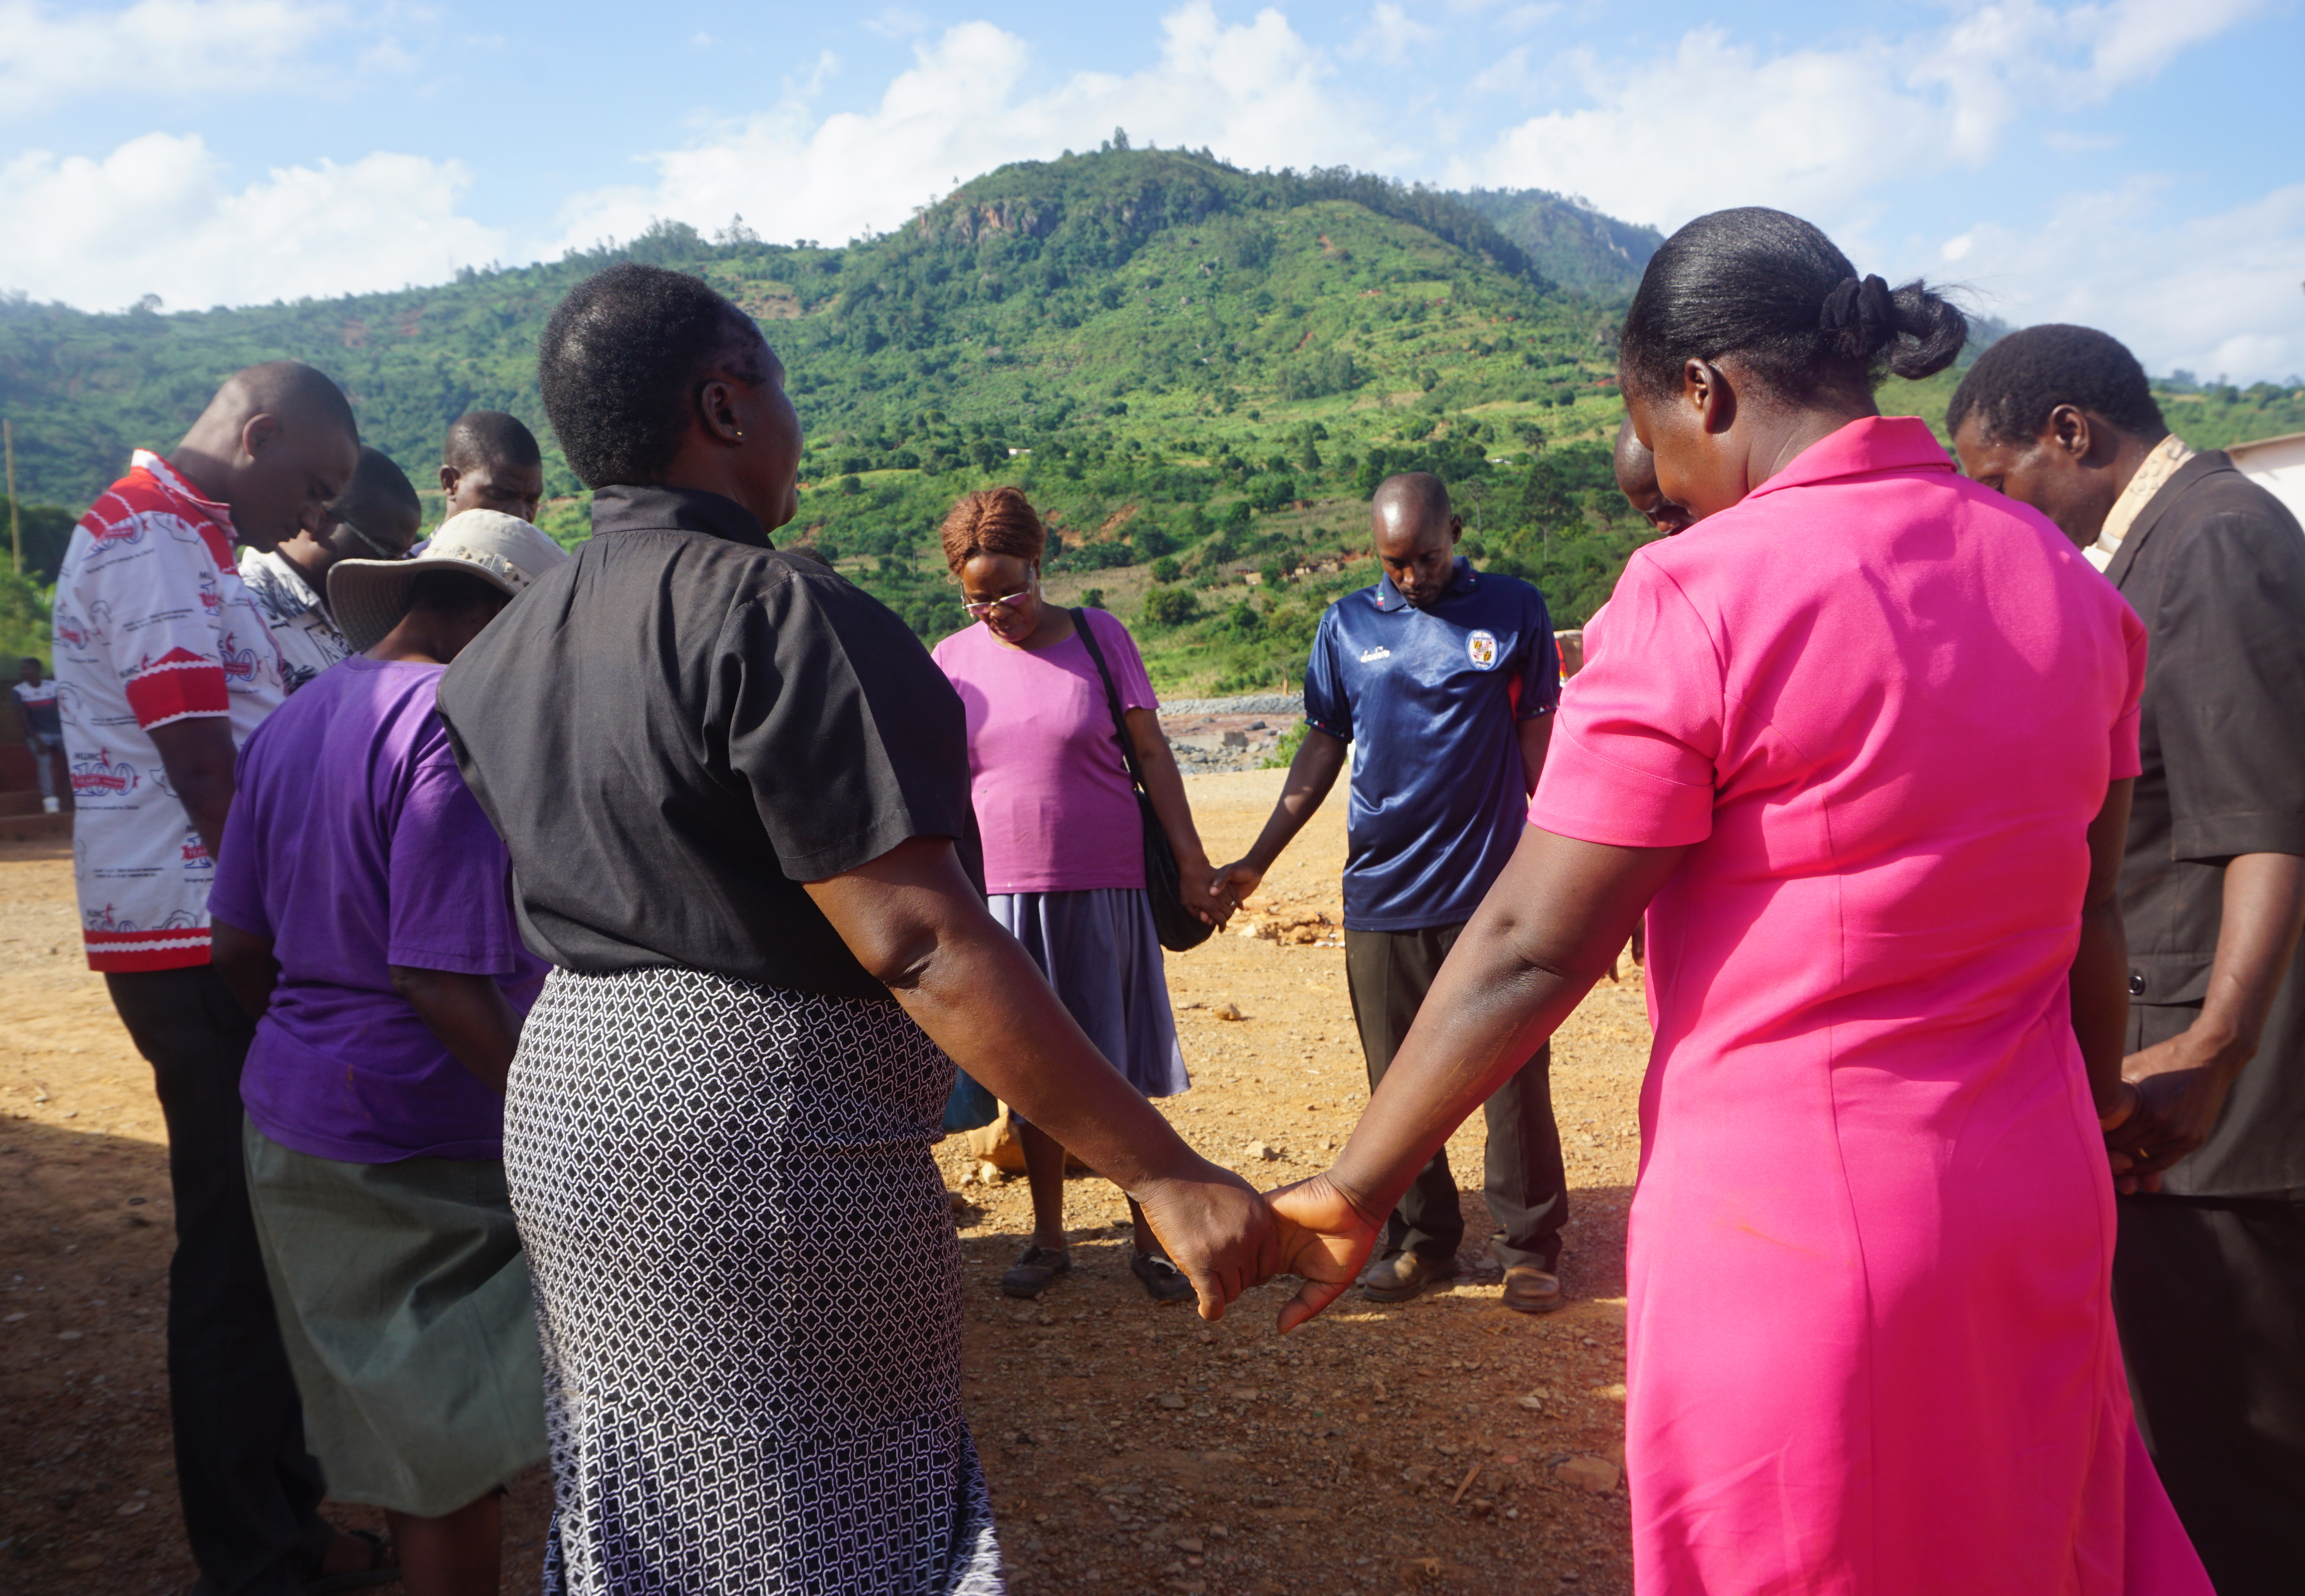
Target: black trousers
(1388, 974)
(2210, 1293)
(251, 1491)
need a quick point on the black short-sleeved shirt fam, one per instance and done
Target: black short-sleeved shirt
(680, 725)
(2215, 568)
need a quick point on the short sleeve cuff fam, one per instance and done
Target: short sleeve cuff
(225, 906)
(2224, 837)
(1342, 734)
(1582, 794)
(179, 685)
(497, 962)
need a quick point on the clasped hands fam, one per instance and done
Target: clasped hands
(1227, 1237)
(2172, 1093)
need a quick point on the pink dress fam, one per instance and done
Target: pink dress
(1870, 1341)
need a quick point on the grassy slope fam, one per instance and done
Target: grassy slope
(1187, 361)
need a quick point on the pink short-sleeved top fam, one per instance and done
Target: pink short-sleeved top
(1054, 804)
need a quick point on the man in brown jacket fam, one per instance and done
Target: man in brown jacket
(2209, 1271)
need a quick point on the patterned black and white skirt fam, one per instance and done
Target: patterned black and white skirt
(748, 1290)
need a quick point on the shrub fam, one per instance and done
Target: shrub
(1171, 606)
(1166, 569)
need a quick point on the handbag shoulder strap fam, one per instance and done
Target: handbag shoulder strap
(1112, 696)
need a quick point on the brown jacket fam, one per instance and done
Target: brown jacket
(2214, 566)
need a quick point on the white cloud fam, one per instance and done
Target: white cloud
(1391, 34)
(1818, 129)
(1812, 130)
(159, 215)
(2213, 293)
(1256, 92)
(167, 47)
(898, 22)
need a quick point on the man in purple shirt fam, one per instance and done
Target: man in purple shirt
(363, 911)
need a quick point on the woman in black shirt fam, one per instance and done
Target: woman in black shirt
(735, 793)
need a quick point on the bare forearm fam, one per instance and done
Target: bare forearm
(1164, 784)
(1547, 931)
(2258, 929)
(1311, 774)
(1030, 1052)
(2100, 1000)
(197, 755)
(243, 962)
(468, 1014)
(1535, 740)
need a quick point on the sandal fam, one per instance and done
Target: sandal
(1035, 1269)
(1164, 1282)
(381, 1568)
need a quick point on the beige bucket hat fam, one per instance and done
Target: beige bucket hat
(369, 596)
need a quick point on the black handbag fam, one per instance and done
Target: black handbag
(1181, 929)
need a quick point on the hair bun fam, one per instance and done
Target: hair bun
(1861, 317)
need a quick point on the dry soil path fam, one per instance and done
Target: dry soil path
(1444, 1445)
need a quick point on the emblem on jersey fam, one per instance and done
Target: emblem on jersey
(1481, 648)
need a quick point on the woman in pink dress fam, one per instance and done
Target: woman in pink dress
(1861, 742)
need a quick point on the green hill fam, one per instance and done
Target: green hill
(1198, 373)
(1569, 241)
(1179, 361)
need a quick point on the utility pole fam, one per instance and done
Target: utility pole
(15, 515)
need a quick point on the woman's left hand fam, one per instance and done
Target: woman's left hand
(1194, 881)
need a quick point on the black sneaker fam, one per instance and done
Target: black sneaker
(1035, 1269)
(1164, 1282)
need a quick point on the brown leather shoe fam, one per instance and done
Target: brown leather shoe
(1400, 1277)
(1528, 1289)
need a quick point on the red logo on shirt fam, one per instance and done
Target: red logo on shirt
(95, 775)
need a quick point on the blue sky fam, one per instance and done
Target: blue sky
(2133, 165)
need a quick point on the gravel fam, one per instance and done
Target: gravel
(1256, 704)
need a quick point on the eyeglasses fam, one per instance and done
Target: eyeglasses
(380, 550)
(984, 612)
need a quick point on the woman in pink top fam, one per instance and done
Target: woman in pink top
(1860, 741)
(1064, 838)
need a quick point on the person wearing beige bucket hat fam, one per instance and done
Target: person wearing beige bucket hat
(369, 596)
(363, 917)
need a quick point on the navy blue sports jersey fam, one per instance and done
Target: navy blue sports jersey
(1431, 700)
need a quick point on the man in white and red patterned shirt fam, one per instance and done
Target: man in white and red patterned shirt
(163, 666)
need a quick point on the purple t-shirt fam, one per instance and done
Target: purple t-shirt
(354, 845)
(1053, 799)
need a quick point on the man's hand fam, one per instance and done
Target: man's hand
(1230, 885)
(1324, 1241)
(1216, 1230)
(2182, 1085)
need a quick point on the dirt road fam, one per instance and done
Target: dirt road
(1447, 1443)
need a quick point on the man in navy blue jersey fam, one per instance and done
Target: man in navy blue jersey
(1441, 681)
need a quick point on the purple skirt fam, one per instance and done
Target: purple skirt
(1101, 952)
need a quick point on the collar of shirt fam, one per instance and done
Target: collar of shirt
(1387, 598)
(634, 509)
(1872, 444)
(281, 585)
(221, 533)
(2152, 474)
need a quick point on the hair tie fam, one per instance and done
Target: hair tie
(1861, 317)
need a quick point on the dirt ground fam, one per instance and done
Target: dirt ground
(1442, 1445)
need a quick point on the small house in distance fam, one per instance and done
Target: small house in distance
(2277, 464)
